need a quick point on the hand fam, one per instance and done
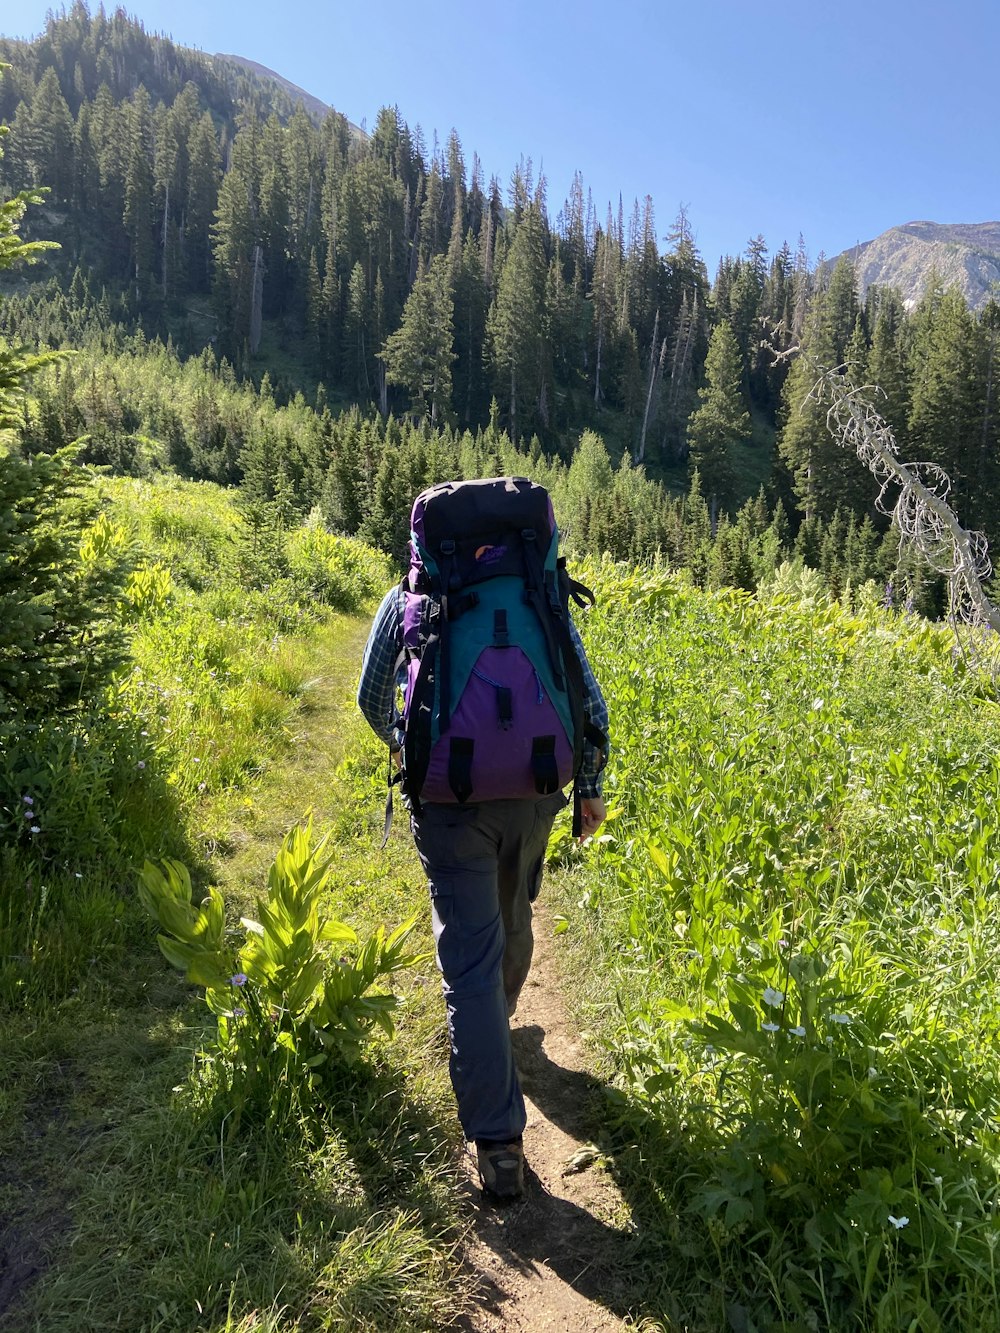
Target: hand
(592, 815)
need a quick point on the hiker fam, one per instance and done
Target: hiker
(501, 711)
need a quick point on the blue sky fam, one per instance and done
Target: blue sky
(836, 121)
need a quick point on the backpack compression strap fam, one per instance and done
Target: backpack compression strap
(420, 704)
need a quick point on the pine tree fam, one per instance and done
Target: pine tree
(238, 242)
(888, 370)
(471, 300)
(604, 298)
(51, 139)
(420, 353)
(722, 422)
(59, 641)
(137, 214)
(947, 405)
(515, 324)
(824, 475)
(357, 333)
(202, 197)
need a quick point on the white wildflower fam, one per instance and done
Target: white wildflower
(797, 1032)
(840, 1018)
(769, 1027)
(899, 1222)
(775, 998)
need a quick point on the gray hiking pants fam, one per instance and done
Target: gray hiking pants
(484, 866)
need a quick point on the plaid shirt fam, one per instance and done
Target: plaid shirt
(380, 677)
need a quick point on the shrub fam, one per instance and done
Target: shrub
(296, 994)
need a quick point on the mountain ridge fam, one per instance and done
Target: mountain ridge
(961, 254)
(314, 106)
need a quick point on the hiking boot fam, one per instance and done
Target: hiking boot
(501, 1169)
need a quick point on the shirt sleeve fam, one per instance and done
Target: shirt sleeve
(591, 776)
(377, 686)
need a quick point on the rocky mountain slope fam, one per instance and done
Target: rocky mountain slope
(315, 108)
(966, 255)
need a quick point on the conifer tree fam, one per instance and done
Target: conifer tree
(138, 200)
(823, 474)
(357, 333)
(51, 139)
(514, 325)
(238, 241)
(721, 422)
(946, 411)
(420, 353)
(888, 370)
(471, 301)
(604, 299)
(58, 639)
(202, 196)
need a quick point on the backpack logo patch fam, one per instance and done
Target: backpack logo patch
(489, 555)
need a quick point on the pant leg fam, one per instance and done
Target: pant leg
(522, 842)
(459, 850)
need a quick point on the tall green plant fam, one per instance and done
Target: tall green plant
(298, 992)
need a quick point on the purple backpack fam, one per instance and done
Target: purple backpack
(494, 689)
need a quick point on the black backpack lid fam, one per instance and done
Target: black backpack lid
(458, 510)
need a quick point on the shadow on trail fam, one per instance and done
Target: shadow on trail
(600, 1262)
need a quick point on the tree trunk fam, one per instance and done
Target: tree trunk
(256, 298)
(640, 453)
(164, 236)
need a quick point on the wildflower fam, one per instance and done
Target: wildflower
(797, 1032)
(36, 828)
(239, 1013)
(899, 1222)
(240, 979)
(28, 800)
(141, 764)
(29, 814)
(202, 786)
(775, 998)
(769, 1027)
(840, 1018)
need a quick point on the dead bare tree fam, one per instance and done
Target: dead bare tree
(920, 511)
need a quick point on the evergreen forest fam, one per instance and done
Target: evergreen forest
(372, 285)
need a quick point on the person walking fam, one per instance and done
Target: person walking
(484, 861)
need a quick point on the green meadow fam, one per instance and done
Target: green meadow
(786, 933)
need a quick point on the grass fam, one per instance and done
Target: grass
(790, 936)
(150, 1218)
(128, 1202)
(785, 940)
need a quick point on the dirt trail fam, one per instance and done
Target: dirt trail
(562, 1258)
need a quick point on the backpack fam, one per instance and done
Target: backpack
(494, 691)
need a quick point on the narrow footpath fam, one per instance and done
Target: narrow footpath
(562, 1258)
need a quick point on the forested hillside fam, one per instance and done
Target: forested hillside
(197, 207)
